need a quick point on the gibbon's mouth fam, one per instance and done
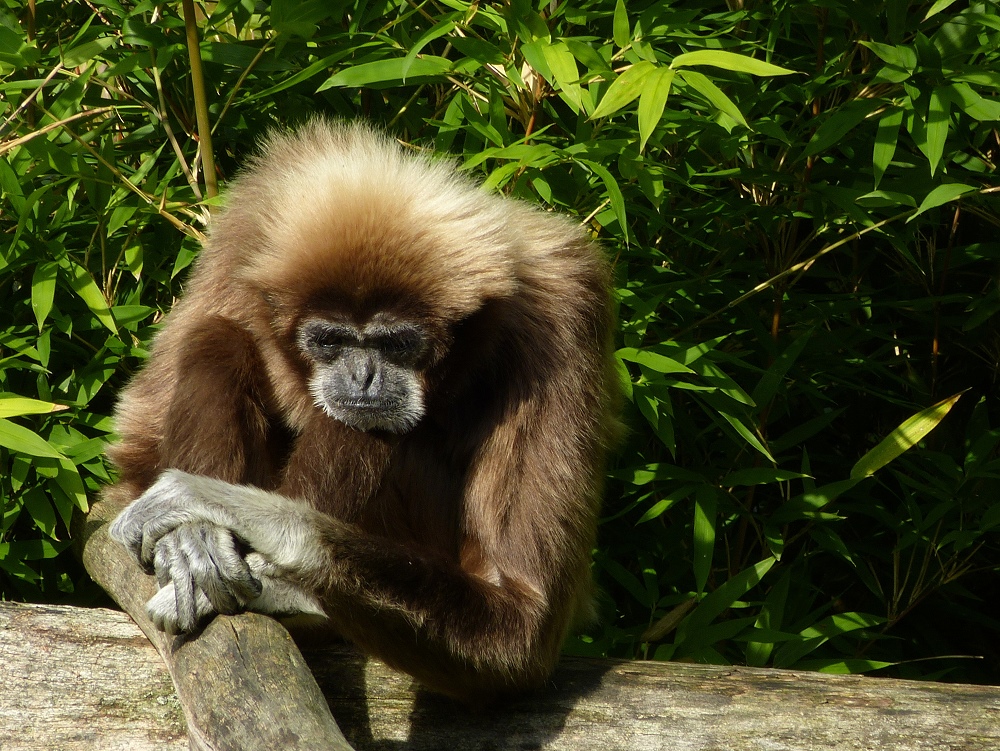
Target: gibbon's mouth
(389, 415)
(381, 405)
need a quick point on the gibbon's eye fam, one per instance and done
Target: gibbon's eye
(325, 340)
(330, 340)
(402, 345)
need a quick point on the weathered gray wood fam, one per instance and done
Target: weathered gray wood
(75, 679)
(242, 683)
(87, 679)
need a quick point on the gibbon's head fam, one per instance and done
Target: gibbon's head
(367, 256)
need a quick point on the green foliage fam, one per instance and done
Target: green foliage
(799, 200)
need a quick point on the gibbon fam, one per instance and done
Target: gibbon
(384, 400)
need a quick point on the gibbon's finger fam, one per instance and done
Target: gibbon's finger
(217, 567)
(125, 530)
(184, 590)
(152, 533)
(162, 609)
(164, 506)
(162, 561)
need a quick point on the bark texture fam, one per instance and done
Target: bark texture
(76, 678)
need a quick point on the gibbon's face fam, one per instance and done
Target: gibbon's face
(367, 377)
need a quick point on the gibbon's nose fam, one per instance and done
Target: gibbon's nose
(364, 372)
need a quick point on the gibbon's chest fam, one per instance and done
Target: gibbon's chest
(407, 488)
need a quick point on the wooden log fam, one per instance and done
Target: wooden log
(74, 679)
(241, 682)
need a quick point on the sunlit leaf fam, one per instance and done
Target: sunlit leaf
(938, 6)
(624, 89)
(652, 360)
(817, 635)
(564, 71)
(728, 61)
(771, 618)
(620, 29)
(43, 290)
(725, 595)
(13, 406)
(705, 503)
(437, 30)
(662, 505)
(84, 285)
(941, 195)
(903, 438)
(18, 438)
(652, 100)
(713, 94)
(937, 128)
(388, 72)
(614, 191)
(834, 666)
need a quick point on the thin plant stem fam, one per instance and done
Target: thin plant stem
(200, 100)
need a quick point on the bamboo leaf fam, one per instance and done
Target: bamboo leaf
(15, 406)
(39, 507)
(746, 433)
(900, 55)
(387, 72)
(620, 29)
(705, 503)
(652, 100)
(18, 438)
(84, 285)
(729, 61)
(759, 476)
(713, 94)
(937, 128)
(941, 195)
(614, 192)
(623, 89)
(817, 635)
(43, 290)
(839, 124)
(885, 143)
(938, 6)
(724, 596)
(907, 435)
(652, 360)
(564, 71)
(437, 30)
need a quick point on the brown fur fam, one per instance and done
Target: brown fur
(460, 550)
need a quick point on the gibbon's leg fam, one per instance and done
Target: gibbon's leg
(454, 631)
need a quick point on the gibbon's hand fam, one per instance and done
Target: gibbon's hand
(181, 605)
(207, 572)
(166, 506)
(190, 542)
